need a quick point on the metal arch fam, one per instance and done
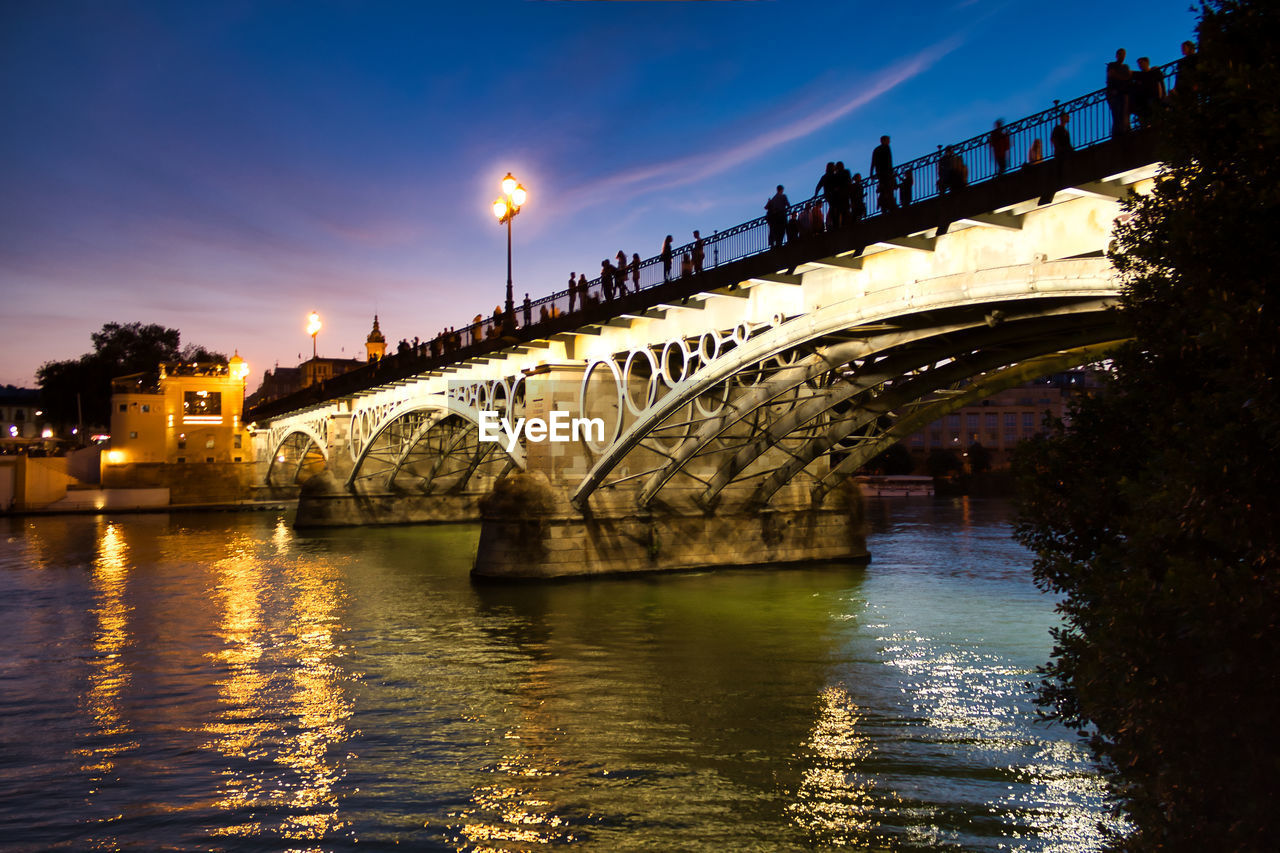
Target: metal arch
(300, 429)
(924, 415)
(788, 379)
(432, 404)
(1006, 368)
(785, 379)
(902, 364)
(1087, 281)
(433, 418)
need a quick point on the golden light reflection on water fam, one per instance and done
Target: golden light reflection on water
(511, 813)
(835, 803)
(108, 674)
(284, 704)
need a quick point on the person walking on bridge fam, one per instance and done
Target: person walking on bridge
(998, 140)
(573, 290)
(666, 259)
(635, 272)
(1119, 79)
(621, 280)
(828, 186)
(882, 172)
(775, 214)
(699, 253)
(606, 279)
(1060, 138)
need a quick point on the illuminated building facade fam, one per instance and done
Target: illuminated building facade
(185, 432)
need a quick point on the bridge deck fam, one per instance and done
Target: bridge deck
(1085, 170)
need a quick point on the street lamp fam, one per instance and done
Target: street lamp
(506, 208)
(313, 329)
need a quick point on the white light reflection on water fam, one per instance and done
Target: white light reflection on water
(973, 711)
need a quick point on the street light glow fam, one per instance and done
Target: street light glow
(313, 324)
(509, 184)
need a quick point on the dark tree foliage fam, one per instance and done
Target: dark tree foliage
(1154, 515)
(895, 460)
(979, 458)
(118, 350)
(943, 462)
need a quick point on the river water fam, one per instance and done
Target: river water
(222, 682)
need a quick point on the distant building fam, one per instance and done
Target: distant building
(1004, 419)
(23, 427)
(185, 432)
(375, 345)
(284, 381)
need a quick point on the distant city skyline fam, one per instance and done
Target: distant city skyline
(227, 169)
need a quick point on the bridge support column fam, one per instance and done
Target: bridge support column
(529, 531)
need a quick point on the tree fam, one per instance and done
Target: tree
(79, 390)
(979, 458)
(1153, 515)
(943, 462)
(894, 460)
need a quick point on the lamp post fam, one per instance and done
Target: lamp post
(313, 329)
(506, 208)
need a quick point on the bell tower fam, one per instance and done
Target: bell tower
(375, 345)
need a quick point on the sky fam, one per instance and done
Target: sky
(226, 168)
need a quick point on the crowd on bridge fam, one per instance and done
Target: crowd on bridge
(840, 200)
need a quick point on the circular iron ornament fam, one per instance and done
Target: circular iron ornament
(650, 382)
(620, 396)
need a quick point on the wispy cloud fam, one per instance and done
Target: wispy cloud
(688, 170)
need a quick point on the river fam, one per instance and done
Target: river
(223, 682)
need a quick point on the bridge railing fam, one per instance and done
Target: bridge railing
(1089, 124)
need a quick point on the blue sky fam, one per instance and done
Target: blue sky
(225, 168)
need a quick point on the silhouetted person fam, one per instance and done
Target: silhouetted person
(606, 279)
(699, 253)
(686, 266)
(905, 184)
(775, 214)
(1185, 84)
(827, 185)
(1036, 153)
(793, 227)
(666, 259)
(816, 223)
(621, 280)
(998, 140)
(584, 288)
(953, 175)
(882, 173)
(528, 306)
(844, 189)
(635, 272)
(857, 198)
(573, 290)
(1060, 139)
(1147, 92)
(1119, 78)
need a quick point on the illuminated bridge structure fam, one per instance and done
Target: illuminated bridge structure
(736, 401)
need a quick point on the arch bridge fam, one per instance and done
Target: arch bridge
(732, 404)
